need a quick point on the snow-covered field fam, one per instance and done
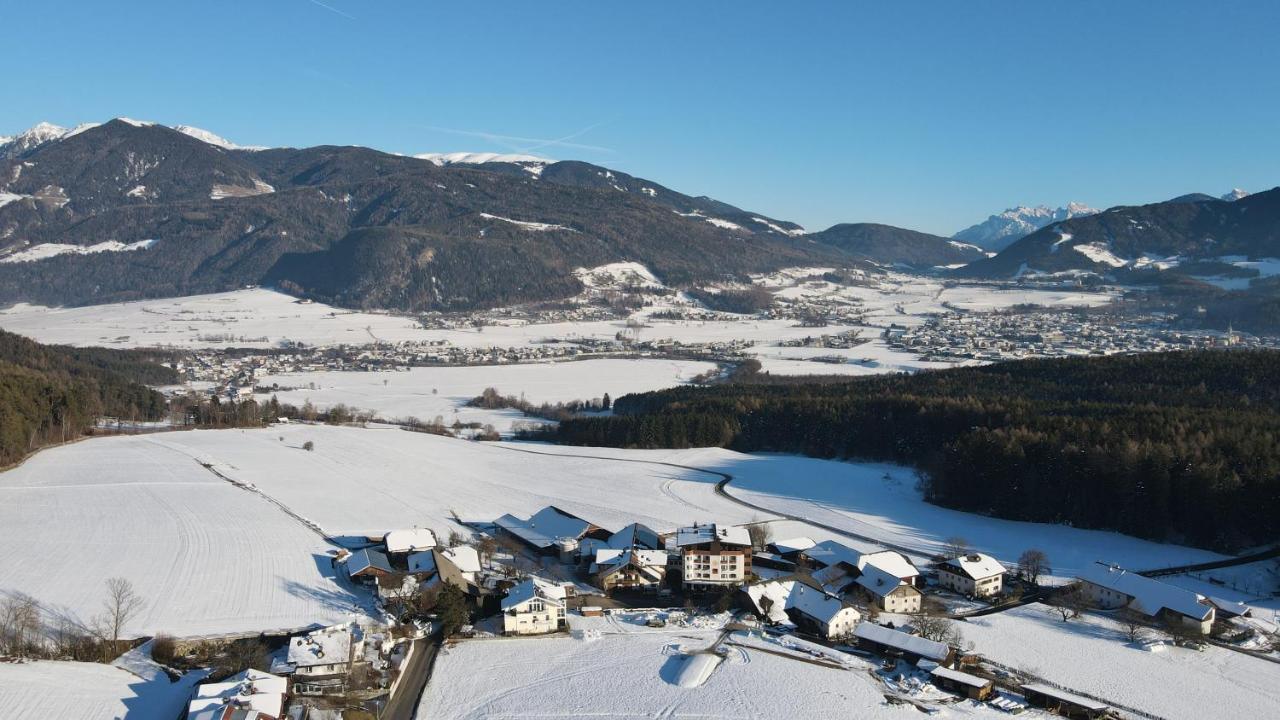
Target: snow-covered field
(1093, 654)
(428, 392)
(205, 556)
(628, 671)
(53, 690)
(264, 318)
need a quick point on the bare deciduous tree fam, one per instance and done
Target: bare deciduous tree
(1134, 627)
(1068, 602)
(119, 608)
(954, 547)
(19, 624)
(938, 629)
(1032, 564)
(760, 535)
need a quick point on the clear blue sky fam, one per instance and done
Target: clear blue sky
(928, 115)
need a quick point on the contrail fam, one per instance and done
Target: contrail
(333, 9)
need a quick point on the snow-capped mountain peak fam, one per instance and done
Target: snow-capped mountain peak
(479, 158)
(31, 138)
(1235, 194)
(216, 140)
(1000, 231)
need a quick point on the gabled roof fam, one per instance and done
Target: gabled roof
(814, 603)
(1149, 596)
(531, 588)
(464, 557)
(1231, 608)
(892, 562)
(413, 540)
(830, 552)
(422, 562)
(975, 566)
(545, 526)
(907, 643)
(880, 582)
(650, 563)
(791, 545)
(835, 578)
(365, 559)
(635, 534)
(725, 534)
(777, 592)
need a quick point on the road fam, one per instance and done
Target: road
(413, 680)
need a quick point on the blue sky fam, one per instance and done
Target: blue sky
(927, 115)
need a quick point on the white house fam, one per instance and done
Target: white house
(1110, 587)
(821, 613)
(887, 591)
(322, 659)
(401, 542)
(534, 607)
(249, 695)
(634, 568)
(974, 574)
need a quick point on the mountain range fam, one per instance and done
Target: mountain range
(998, 232)
(129, 209)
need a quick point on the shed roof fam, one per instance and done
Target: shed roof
(907, 643)
(1064, 696)
(960, 677)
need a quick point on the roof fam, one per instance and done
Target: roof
(1149, 596)
(464, 557)
(635, 534)
(777, 592)
(321, 647)
(791, 545)
(366, 558)
(830, 552)
(907, 643)
(700, 534)
(1231, 608)
(251, 689)
(960, 677)
(1063, 695)
(894, 563)
(403, 541)
(632, 556)
(545, 526)
(228, 712)
(422, 562)
(878, 581)
(533, 588)
(834, 578)
(814, 603)
(974, 565)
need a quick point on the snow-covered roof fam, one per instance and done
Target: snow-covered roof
(777, 592)
(533, 588)
(635, 534)
(422, 562)
(814, 603)
(879, 581)
(1231, 608)
(834, 578)
(726, 534)
(907, 643)
(635, 556)
(960, 677)
(1053, 692)
(1149, 596)
(791, 545)
(545, 527)
(367, 558)
(974, 565)
(892, 562)
(464, 557)
(321, 647)
(830, 552)
(251, 690)
(412, 540)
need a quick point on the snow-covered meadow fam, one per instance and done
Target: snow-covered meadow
(205, 556)
(1093, 654)
(620, 670)
(430, 392)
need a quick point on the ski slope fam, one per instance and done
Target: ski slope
(205, 556)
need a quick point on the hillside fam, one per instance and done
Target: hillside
(1161, 236)
(1176, 447)
(129, 210)
(50, 393)
(888, 245)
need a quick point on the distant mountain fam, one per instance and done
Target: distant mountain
(1234, 195)
(131, 209)
(1161, 236)
(888, 245)
(998, 232)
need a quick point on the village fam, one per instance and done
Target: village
(556, 575)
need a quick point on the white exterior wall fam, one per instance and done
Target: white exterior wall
(842, 624)
(1104, 598)
(966, 585)
(703, 567)
(533, 617)
(900, 601)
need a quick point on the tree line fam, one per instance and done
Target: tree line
(1179, 447)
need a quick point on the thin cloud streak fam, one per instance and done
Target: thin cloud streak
(517, 143)
(333, 9)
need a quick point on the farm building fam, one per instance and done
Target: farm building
(1063, 703)
(403, 542)
(895, 643)
(963, 684)
(550, 530)
(1110, 587)
(367, 565)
